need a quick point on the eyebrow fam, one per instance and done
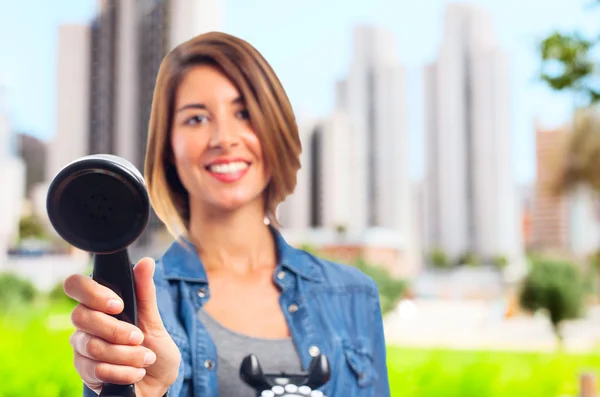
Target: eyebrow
(238, 100)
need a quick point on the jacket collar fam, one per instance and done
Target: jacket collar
(182, 262)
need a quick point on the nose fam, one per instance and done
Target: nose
(223, 134)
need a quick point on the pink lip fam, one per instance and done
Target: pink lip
(229, 177)
(227, 161)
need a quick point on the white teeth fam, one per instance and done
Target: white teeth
(228, 168)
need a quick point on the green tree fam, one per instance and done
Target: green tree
(557, 289)
(438, 259)
(341, 230)
(469, 258)
(31, 227)
(499, 261)
(391, 288)
(15, 292)
(57, 295)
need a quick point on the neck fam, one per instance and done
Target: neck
(238, 241)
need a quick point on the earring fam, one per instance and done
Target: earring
(266, 220)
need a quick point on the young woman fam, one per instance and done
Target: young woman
(223, 152)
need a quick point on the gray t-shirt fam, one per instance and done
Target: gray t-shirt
(275, 356)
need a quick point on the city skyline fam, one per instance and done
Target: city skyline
(516, 32)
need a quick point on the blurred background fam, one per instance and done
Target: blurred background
(451, 150)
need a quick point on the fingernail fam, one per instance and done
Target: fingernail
(141, 372)
(136, 337)
(113, 304)
(149, 358)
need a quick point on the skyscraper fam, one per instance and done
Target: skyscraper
(189, 18)
(70, 140)
(471, 194)
(324, 184)
(550, 221)
(13, 183)
(372, 95)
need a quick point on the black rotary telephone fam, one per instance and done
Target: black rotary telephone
(100, 204)
(286, 385)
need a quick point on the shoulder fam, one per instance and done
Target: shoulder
(337, 275)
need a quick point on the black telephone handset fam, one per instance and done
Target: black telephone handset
(286, 385)
(100, 204)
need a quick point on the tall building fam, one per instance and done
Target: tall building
(189, 18)
(550, 212)
(372, 95)
(13, 183)
(128, 43)
(471, 194)
(70, 140)
(294, 212)
(324, 185)
(32, 151)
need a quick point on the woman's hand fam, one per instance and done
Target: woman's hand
(108, 350)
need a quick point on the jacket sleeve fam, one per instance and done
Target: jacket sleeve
(382, 385)
(167, 299)
(87, 392)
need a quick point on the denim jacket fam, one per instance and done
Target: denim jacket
(330, 308)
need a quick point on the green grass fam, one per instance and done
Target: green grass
(435, 373)
(36, 360)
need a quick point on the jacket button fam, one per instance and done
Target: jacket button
(281, 275)
(293, 308)
(314, 351)
(209, 364)
(202, 292)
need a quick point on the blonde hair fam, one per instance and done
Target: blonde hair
(270, 112)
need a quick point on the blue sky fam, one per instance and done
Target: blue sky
(308, 43)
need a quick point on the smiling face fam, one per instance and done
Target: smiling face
(218, 156)
(198, 123)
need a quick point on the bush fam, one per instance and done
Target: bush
(438, 259)
(31, 227)
(391, 289)
(499, 262)
(468, 258)
(57, 295)
(555, 287)
(15, 292)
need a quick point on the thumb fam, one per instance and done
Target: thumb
(148, 315)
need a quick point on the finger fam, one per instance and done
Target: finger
(95, 373)
(147, 306)
(92, 294)
(105, 326)
(100, 350)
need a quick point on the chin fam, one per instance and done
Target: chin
(231, 204)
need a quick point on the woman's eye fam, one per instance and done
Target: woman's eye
(243, 114)
(196, 120)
